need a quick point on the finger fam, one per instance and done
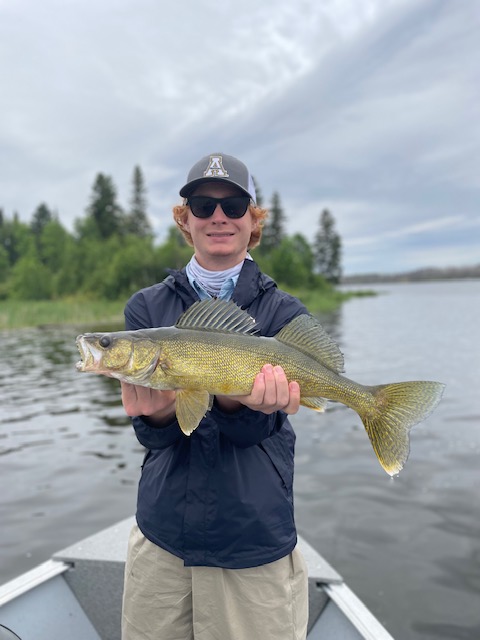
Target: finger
(282, 388)
(277, 393)
(258, 390)
(137, 400)
(270, 392)
(294, 398)
(129, 397)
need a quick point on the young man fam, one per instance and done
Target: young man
(213, 555)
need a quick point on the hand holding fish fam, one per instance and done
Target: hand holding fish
(156, 404)
(271, 392)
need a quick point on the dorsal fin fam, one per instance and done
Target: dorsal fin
(307, 335)
(217, 315)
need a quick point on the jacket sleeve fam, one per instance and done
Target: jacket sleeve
(155, 437)
(246, 428)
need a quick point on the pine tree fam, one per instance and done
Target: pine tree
(137, 221)
(273, 231)
(15, 237)
(104, 210)
(328, 249)
(52, 245)
(258, 192)
(40, 218)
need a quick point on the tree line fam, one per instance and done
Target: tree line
(112, 251)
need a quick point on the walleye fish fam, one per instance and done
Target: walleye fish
(213, 349)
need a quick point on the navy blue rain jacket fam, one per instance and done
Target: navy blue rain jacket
(223, 496)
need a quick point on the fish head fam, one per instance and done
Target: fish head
(118, 355)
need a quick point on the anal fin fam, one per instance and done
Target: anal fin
(317, 404)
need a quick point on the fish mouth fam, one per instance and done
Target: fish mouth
(92, 361)
(91, 357)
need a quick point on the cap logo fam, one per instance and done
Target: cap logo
(215, 168)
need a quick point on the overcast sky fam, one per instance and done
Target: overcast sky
(370, 108)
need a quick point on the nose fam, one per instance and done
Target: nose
(218, 215)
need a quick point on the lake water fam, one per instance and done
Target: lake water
(408, 546)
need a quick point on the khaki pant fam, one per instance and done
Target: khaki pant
(164, 600)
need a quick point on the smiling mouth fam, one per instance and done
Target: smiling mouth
(219, 234)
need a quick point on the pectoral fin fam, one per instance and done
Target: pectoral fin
(191, 408)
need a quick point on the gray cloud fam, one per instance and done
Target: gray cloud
(366, 107)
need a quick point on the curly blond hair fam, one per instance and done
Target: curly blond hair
(180, 213)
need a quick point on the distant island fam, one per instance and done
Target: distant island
(419, 275)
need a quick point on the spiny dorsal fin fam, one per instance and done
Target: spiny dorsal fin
(307, 335)
(217, 315)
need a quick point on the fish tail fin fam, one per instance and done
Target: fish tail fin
(396, 408)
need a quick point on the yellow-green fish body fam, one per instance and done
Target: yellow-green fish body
(213, 350)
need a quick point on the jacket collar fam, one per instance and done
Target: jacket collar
(251, 283)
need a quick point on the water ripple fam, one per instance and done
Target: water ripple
(408, 546)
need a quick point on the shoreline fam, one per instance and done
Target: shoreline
(22, 314)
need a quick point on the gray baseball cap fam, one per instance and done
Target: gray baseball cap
(220, 166)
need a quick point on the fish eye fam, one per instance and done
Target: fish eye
(105, 341)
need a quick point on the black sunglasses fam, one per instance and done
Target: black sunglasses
(204, 206)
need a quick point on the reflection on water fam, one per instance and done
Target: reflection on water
(409, 546)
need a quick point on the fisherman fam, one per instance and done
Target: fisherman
(213, 553)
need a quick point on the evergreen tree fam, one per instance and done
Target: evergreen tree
(15, 238)
(52, 245)
(137, 221)
(328, 249)
(104, 211)
(273, 231)
(4, 271)
(258, 191)
(41, 216)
